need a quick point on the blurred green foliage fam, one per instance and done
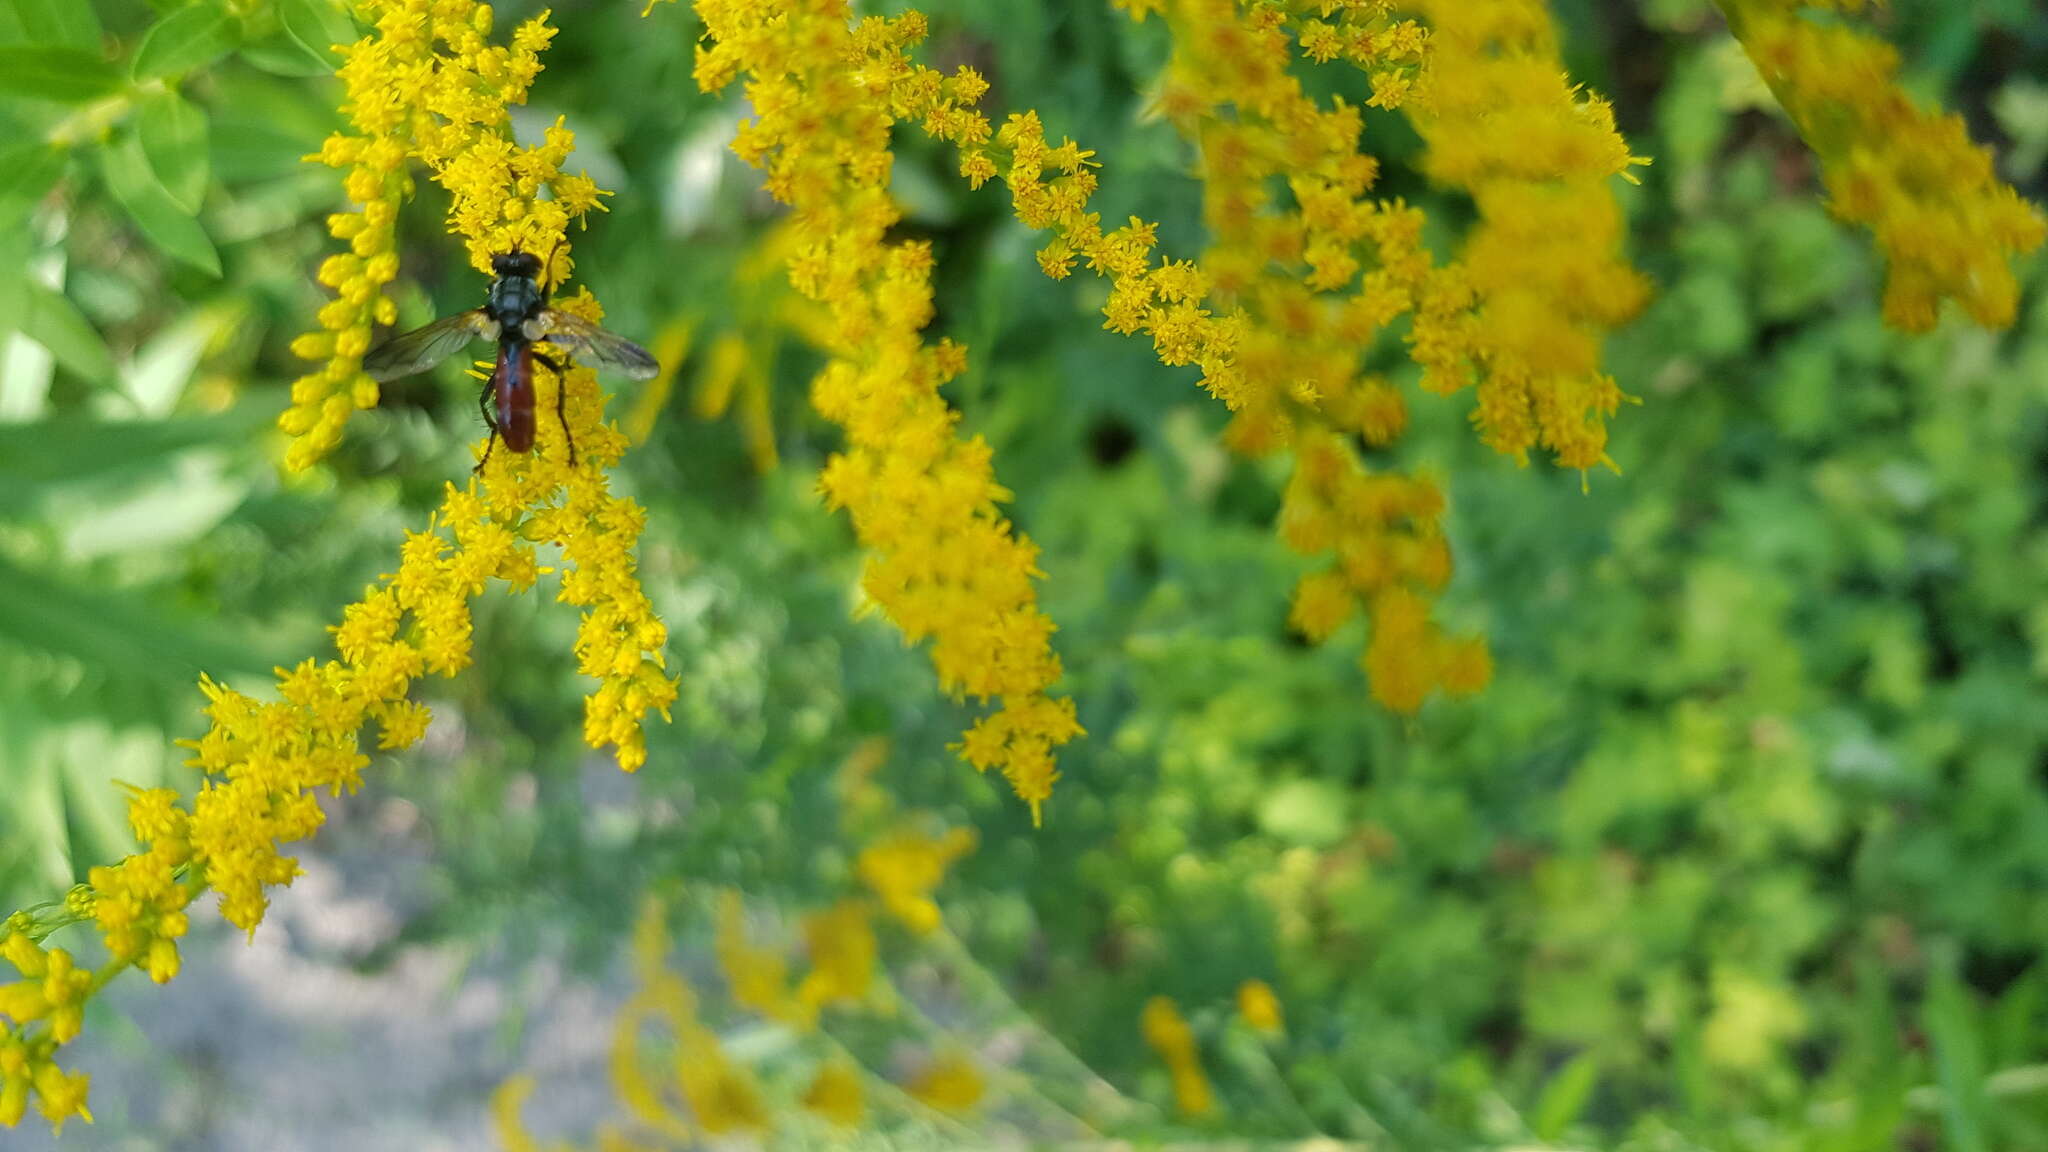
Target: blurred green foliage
(1746, 847)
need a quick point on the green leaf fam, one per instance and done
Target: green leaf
(1949, 1017)
(186, 39)
(53, 321)
(1564, 1098)
(318, 25)
(59, 22)
(56, 72)
(27, 173)
(154, 210)
(116, 632)
(173, 134)
(281, 55)
(41, 453)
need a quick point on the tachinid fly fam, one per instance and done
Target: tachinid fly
(517, 316)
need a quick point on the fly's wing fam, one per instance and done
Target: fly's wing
(582, 337)
(422, 348)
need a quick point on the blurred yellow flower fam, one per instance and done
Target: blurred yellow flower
(841, 943)
(906, 866)
(1259, 1008)
(1540, 280)
(835, 1095)
(723, 1095)
(1168, 1034)
(950, 1083)
(1949, 228)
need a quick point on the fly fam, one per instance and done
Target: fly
(515, 315)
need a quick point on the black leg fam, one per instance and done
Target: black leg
(561, 393)
(483, 402)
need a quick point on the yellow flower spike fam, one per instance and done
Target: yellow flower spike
(944, 565)
(1279, 313)
(1520, 315)
(1948, 227)
(1168, 1035)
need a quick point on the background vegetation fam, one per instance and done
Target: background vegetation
(1746, 846)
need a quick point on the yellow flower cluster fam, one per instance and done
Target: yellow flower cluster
(1390, 553)
(426, 83)
(1947, 225)
(51, 993)
(1540, 280)
(1168, 1034)
(1282, 308)
(423, 85)
(944, 565)
(708, 1093)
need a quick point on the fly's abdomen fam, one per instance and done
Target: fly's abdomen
(514, 394)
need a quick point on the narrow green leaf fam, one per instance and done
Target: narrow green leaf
(40, 453)
(56, 72)
(186, 39)
(1958, 1055)
(90, 758)
(153, 208)
(53, 321)
(318, 25)
(27, 173)
(59, 22)
(173, 134)
(115, 632)
(1564, 1098)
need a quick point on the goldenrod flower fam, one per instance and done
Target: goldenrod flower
(722, 1094)
(945, 566)
(1259, 1008)
(842, 947)
(426, 85)
(835, 1095)
(905, 867)
(950, 1083)
(1540, 280)
(1168, 1034)
(1949, 228)
(756, 977)
(1279, 312)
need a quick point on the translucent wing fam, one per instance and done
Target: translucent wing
(582, 337)
(422, 348)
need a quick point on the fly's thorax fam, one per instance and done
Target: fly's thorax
(514, 299)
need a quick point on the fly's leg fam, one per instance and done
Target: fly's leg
(483, 402)
(561, 394)
(547, 268)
